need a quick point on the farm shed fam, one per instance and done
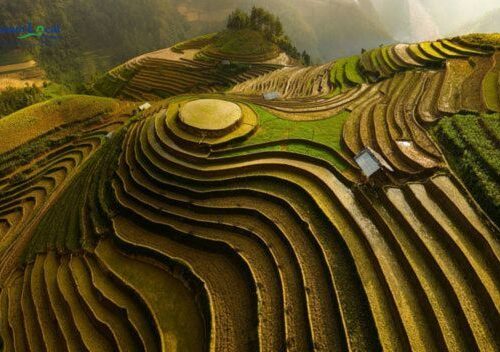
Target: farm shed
(271, 95)
(370, 162)
(144, 106)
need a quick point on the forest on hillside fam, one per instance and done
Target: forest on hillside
(95, 35)
(98, 35)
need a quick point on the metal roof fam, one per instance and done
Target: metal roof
(144, 106)
(271, 95)
(370, 161)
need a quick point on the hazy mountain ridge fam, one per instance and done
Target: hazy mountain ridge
(488, 23)
(98, 35)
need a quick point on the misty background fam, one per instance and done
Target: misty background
(97, 35)
(328, 29)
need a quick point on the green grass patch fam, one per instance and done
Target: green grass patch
(346, 73)
(491, 93)
(246, 42)
(482, 39)
(195, 43)
(326, 132)
(111, 83)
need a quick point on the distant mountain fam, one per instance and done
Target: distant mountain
(342, 27)
(458, 17)
(488, 23)
(407, 20)
(325, 28)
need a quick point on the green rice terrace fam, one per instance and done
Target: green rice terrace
(221, 217)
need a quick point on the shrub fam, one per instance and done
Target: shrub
(13, 99)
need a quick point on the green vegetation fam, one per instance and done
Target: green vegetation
(66, 233)
(482, 39)
(13, 99)
(10, 57)
(243, 42)
(95, 35)
(346, 73)
(178, 322)
(27, 152)
(194, 43)
(472, 145)
(38, 119)
(269, 26)
(273, 133)
(110, 83)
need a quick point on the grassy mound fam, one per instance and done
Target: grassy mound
(210, 114)
(246, 42)
(194, 43)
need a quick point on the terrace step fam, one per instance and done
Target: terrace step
(92, 338)
(15, 315)
(141, 275)
(118, 295)
(32, 329)
(51, 332)
(112, 324)
(61, 309)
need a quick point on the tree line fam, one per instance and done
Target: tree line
(13, 99)
(270, 26)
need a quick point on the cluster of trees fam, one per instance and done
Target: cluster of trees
(14, 99)
(259, 20)
(270, 26)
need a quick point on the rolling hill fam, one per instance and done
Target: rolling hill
(219, 219)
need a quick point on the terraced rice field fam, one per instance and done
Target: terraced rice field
(226, 222)
(472, 148)
(194, 66)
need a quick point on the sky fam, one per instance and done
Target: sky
(446, 17)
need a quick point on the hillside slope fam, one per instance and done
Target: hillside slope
(224, 221)
(204, 64)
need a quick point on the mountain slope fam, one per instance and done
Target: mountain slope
(204, 64)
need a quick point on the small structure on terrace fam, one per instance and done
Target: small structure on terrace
(371, 162)
(144, 106)
(271, 95)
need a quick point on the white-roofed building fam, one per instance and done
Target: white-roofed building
(271, 95)
(144, 106)
(370, 162)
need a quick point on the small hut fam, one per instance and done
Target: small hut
(271, 95)
(371, 162)
(144, 106)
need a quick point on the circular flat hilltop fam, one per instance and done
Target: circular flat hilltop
(210, 115)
